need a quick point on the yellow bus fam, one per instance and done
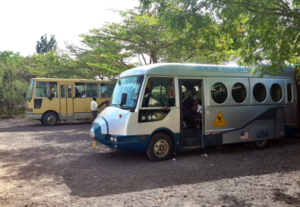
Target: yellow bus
(51, 100)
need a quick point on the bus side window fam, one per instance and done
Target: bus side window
(156, 92)
(62, 91)
(46, 89)
(103, 90)
(289, 93)
(92, 89)
(41, 89)
(69, 91)
(79, 88)
(53, 89)
(109, 89)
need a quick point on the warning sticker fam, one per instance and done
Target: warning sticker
(219, 120)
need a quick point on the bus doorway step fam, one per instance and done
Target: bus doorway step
(190, 142)
(192, 147)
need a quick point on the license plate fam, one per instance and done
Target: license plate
(94, 144)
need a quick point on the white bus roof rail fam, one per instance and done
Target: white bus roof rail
(179, 69)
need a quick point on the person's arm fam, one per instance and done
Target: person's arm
(171, 102)
(101, 105)
(50, 97)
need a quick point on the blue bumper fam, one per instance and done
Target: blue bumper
(129, 143)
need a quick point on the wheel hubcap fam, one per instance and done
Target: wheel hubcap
(161, 148)
(51, 119)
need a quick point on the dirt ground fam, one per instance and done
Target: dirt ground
(57, 166)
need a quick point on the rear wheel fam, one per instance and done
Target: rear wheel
(160, 147)
(50, 119)
(259, 144)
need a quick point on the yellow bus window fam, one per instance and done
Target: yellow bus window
(46, 89)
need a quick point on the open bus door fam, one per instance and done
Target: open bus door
(191, 127)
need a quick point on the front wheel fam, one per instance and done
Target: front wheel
(50, 119)
(160, 147)
(259, 144)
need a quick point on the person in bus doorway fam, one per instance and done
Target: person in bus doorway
(94, 108)
(171, 100)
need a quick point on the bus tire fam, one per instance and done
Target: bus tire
(42, 121)
(160, 147)
(259, 144)
(50, 119)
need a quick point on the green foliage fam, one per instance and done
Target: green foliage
(149, 39)
(269, 25)
(44, 46)
(14, 80)
(54, 64)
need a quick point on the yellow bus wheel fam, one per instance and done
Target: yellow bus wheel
(50, 119)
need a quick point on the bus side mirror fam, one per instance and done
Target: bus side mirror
(24, 95)
(124, 99)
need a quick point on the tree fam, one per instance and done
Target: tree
(14, 79)
(148, 38)
(44, 46)
(54, 64)
(269, 25)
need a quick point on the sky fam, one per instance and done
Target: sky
(23, 22)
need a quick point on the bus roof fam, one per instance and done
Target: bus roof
(179, 69)
(70, 80)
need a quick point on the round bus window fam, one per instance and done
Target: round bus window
(219, 93)
(259, 92)
(276, 92)
(239, 92)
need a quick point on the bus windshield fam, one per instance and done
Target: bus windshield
(29, 96)
(130, 86)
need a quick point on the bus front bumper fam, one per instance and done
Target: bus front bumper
(120, 142)
(31, 115)
(117, 142)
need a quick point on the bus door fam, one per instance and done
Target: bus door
(191, 108)
(66, 100)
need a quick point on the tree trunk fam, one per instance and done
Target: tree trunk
(153, 56)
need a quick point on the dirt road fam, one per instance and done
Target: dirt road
(57, 166)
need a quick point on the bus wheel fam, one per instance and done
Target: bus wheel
(160, 147)
(259, 144)
(50, 119)
(42, 121)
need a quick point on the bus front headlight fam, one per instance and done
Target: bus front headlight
(92, 133)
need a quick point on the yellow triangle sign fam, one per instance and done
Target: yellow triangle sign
(219, 120)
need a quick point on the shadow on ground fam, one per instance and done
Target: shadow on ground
(90, 173)
(64, 152)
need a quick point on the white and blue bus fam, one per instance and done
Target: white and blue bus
(162, 109)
